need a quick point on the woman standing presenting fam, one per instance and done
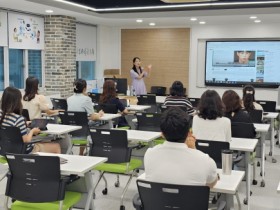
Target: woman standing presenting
(137, 74)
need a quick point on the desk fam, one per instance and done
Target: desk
(228, 185)
(247, 146)
(81, 166)
(109, 118)
(138, 108)
(272, 116)
(58, 129)
(263, 129)
(143, 136)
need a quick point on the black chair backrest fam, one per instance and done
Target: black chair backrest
(161, 196)
(268, 106)
(34, 178)
(194, 101)
(158, 90)
(213, 149)
(146, 99)
(75, 118)
(243, 130)
(108, 108)
(164, 108)
(94, 97)
(112, 144)
(59, 103)
(11, 140)
(25, 114)
(256, 116)
(148, 121)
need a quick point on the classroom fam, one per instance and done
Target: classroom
(198, 43)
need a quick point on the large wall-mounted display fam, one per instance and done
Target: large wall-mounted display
(26, 31)
(3, 29)
(239, 62)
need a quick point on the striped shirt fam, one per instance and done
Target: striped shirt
(179, 101)
(16, 120)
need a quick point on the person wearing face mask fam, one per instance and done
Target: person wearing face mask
(138, 74)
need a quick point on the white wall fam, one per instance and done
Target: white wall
(108, 49)
(199, 34)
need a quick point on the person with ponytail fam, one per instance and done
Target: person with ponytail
(10, 115)
(248, 100)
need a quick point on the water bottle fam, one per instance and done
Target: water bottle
(227, 161)
(128, 91)
(133, 91)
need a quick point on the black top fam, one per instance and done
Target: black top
(239, 116)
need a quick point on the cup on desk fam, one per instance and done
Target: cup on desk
(227, 161)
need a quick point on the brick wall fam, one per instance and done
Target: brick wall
(60, 54)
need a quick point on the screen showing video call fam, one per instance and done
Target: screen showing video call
(236, 63)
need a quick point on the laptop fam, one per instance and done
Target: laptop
(125, 102)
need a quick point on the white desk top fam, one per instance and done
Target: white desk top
(277, 107)
(144, 136)
(278, 188)
(270, 115)
(227, 183)
(261, 127)
(243, 144)
(138, 107)
(76, 164)
(107, 117)
(160, 99)
(58, 129)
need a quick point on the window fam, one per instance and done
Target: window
(35, 64)
(85, 70)
(16, 68)
(1, 68)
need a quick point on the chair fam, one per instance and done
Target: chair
(148, 121)
(25, 114)
(79, 137)
(194, 101)
(94, 97)
(158, 90)
(256, 116)
(268, 106)
(10, 142)
(160, 196)
(113, 144)
(149, 99)
(35, 183)
(243, 130)
(59, 103)
(214, 150)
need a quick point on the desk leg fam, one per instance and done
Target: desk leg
(89, 184)
(229, 201)
(262, 158)
(248, 177)
(272, 141)
(66, 144)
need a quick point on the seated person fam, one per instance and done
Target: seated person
(180, 162)
(10, 115)
(109, 96)
(209, 123)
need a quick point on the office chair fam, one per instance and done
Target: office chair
(268, 106)
(256, 116)
(158, 90)
(79, 137)
(59, 103)
(160, 196)
(148, 121)
(94, 97)
(35, 183)
(214, 150)
(113, 144)
(194, 101)
(149, 99)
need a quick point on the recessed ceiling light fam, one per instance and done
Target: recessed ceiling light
(257, 21)
(202, 22)
(253, 17)
(49, 11)
(193, 19)
(139, 21)
(152, 24)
